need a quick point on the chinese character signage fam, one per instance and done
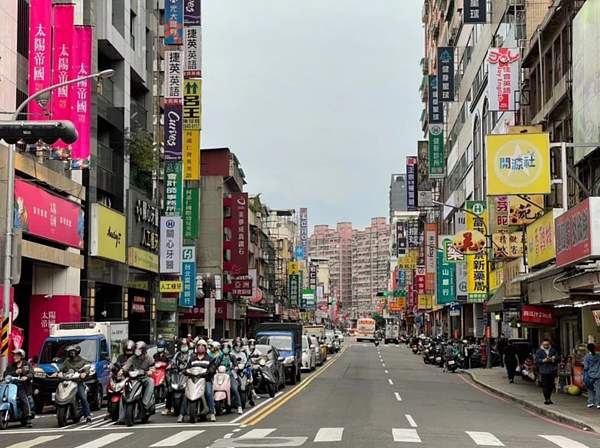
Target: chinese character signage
(436, 109)
(425, 302)
(411, 187)
(445, 73)
(498, 211)
(475, 11)
(401, 238)
(431, 256)
(503, 78)
(173, 77)
(518, 164)
(299, 252)
(239, 235)
(312, 276)
(173, 189)
(540, 239)
(192, 14)
(192, 104)
(512, 270)
(45, 215)
(188, 276)
(81, 92)
(420, 280)
(191, 205)
(423, 183)
(171, 286)
(477, 264)
(575, 241)
(401, 279)
(293, 291)
(437, 161)
(304, 227)
(508, 245)
(451, 255)
(445, 281)
(538, 315)
(192, 64)
(242, 287)
(170, 245)
(174, 22)
(191, 155)
(460, 223)
(40, 51)
(143, 222)
(413, 231)
(524, 209)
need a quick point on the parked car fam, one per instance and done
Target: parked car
(318, 353)
(309, 356)
(274, 362)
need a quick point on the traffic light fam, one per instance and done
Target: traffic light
(31, 132)
(382, 294)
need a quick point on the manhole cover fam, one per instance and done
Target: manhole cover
(264, 441)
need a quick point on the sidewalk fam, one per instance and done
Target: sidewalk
(566, 408)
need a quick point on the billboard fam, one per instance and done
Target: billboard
(304, 228)
(503, 78)
(477, 286)
(445, 73)
(575, 241)
(411, 187)
(540, 239)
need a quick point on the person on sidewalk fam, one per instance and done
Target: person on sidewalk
(501, 344)
(546, 358)
(510, 358)
(591, 375)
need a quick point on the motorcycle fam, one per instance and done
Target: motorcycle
(160, 381)
(263, 377)
(134, 390)
(222, 391)
(9, 410)
(244, 376)
(114, 391)
(376, 342)
(67, 405)
(415, 349)
(451, 364)
(178, 383)
(195, 400)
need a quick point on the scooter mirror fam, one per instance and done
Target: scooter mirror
(54, 366)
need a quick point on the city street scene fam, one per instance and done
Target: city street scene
(283, 223)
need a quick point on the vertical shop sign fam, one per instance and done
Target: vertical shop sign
(293, 291)
(192, 104)
(239, 234)
(192, 14)
(174, 22)
(437, 161)
(436, 109)
(304, 228)
(401, 238)
(170, 245)
(174, 78)
(40, 51)
(173, 133)
(445, 73)
(191, 155)
(81, 92)
(173, 188)
(413, 234)
(460, 223)
(191, 205)
(431, 256)
(192, 47)
(411, 194)
(477, 264)
(475, 11)
(420, 281)
(445, 281)
(188, 267)
(503, 69)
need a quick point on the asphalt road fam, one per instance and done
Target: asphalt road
(364, 397)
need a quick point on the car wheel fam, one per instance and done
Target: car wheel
(96, 405)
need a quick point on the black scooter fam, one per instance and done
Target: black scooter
(134, 390)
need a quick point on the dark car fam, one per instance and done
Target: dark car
(273, 362)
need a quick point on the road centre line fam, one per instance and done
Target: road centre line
(411, 421)
(398, 397)
(390, 381)
(385, 371)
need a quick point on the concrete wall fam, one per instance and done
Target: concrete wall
(209, 245)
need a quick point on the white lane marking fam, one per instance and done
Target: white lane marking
(383, 365)
(406, 435)
(563, 442)
(385, 371)
(228, 436)
(391, 382)
(257, 433)
(176, 439)
(256, 408)
(106, 440)
(34, 442)
(398, 397)
(329, 435)
(484, 438)
(237, 430)
(411, 421)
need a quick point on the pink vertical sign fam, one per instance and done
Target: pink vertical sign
(62, 46)
(80, 93)
(40, 50)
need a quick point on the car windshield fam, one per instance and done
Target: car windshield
(304, 343)
(55, 351)
(279, 342)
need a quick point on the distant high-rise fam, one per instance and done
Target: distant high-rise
(398, 194)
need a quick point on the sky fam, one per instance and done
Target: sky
(318, 99)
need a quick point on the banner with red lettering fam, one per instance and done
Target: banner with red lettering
(81, 93)
(538, 315)
(238, 223)
(40, 51)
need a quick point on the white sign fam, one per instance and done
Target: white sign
(174, 78)
(192, 40)
(209, 313)
(503, 78)
(424, 198)
(170, 245)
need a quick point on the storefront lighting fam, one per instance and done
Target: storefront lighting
(583, 304)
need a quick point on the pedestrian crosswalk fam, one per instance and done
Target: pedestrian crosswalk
(318, 436)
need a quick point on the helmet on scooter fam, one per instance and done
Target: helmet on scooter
(19, 352)
(201, 347)
(238, 344)
(160, 346)
(73, 350)
(129, 347)
(251, 343)
(226, 348)
(216, 347)
(140, 348)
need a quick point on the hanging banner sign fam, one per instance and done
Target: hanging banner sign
(191, 155)
(445, 73)
(411, 187)
(40, 51)
(477, 264)
(192, 104)
(475, 11)
(445, 283)
(436, 109)
(191, 205)
(503, 78)
(173, 189)
(174, 22)
(540, 239)
(188, 267)
(293, 291)
(81, 92)
(437, 161)
(173, 77)
(170, 245)
(173, 133)
(431, 256)
(192, 14)
(401, 238)
(192, 48)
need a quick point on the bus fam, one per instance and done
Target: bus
(365, 330)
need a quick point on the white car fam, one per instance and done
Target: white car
(340, 335)
(318, 353)
(309, 355)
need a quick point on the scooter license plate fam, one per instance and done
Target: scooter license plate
(53, 396)
(451, 363)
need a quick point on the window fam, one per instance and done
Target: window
(104, 350)
(488, 125)
(132, 26)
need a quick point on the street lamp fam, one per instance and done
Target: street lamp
(42, 96)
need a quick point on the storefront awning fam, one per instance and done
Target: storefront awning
(545, 272)
(494, 305)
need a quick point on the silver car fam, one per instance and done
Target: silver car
(309, 356)
(318, 352)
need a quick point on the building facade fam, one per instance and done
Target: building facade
(398, 198)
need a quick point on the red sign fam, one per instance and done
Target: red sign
(223, 310)
(48, 216)
(44, 311)
(538, 315)
(420, 280)
(242, 287)
(238, 223)
(574, 238)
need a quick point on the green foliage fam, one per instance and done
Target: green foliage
(143, 157)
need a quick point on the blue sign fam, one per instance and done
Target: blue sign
(411, 190)
(455, 309)
(188, 268)
(173, 22)
(419, 320)
(299, 252)
(401, 279)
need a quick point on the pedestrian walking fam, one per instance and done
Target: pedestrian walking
(546, 358)
(591, 376)
(510, 358)
(501, 344)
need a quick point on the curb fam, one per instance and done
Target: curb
(554, 415)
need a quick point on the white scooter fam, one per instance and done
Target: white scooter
(195, 401)
(222, 391)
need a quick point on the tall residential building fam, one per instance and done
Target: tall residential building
(282, 228)
(336, 246)
(398, 202)
(370, 264)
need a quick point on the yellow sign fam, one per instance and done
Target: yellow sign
(508, 245)
(477, 264)
(518, 164)
(525, 129)
(109, 234)
(191, 155)
(293, 269)
(139, 285)
(407, 263)
(142, 259)
(171, 286)
(512, 271)
(496, 278)
(398, 305)
(524, 209)
(192, 104)
(426, 302)
(540, 239)
(469, 242)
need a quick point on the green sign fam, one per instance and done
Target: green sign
(437, 162)
(166, 303)
(446, 291)
(293, 291)
(191, 207)
(400, 293)
(173, 188)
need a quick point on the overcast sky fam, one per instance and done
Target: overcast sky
(318, 98)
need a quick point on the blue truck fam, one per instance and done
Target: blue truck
(101, 343)
(287, 339)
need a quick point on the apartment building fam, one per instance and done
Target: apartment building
(398, 199)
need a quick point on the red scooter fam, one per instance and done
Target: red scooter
(114, 392)
(160, 384)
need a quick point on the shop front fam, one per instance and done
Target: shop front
(224, 322)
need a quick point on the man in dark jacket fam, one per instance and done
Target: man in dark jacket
(75, 362)
(510, 358)
(547, 358)
(21, 369)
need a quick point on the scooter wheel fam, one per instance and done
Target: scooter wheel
(4, 419)
(114, 411)
(129, 414)
(176, 406)
(192, 410)
(271, 390)
(243, 398)
(62, 414)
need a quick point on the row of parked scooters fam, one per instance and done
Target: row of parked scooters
(461, 355)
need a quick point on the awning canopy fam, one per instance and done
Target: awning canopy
(494, 305)
(545, 272)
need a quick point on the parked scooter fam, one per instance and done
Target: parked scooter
(160, 384)
(451, 364)
(9, 410)
(222, 391)
(114, 391)
(134, 390)
(67, 405)
(195, 401)
(178, 381)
